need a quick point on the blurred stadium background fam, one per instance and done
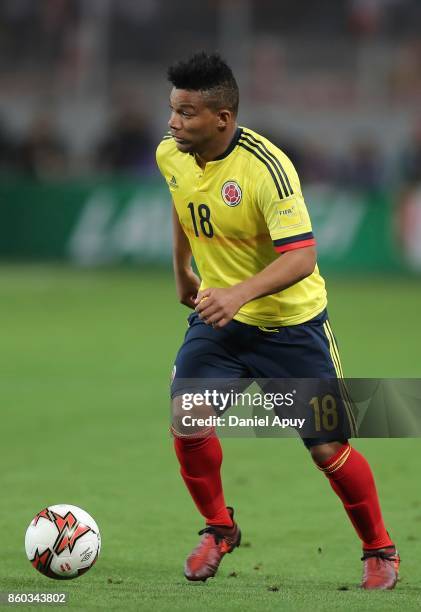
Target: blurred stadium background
(89, 312)
(83, 103)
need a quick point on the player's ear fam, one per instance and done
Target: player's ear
(224, 117)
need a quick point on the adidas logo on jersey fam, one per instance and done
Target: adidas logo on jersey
(173, 182)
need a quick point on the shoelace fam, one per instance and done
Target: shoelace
(380, 554)
(218, 537)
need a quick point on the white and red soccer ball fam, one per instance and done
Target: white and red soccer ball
(62, 541)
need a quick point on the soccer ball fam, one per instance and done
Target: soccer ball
(62, 541)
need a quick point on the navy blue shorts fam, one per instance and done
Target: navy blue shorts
(238, 350)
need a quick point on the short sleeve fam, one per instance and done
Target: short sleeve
(158, 156)
(162, 152)
(287, 218)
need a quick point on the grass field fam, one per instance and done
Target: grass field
(85, 359)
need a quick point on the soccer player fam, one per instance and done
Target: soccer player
(259, 306)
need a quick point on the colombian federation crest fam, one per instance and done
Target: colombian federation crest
(231, 193)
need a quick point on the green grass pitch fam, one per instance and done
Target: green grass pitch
(85, 358)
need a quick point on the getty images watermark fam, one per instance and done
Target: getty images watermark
(310, 407)
(222, 401)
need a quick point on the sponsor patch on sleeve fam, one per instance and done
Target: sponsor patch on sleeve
(289, 214)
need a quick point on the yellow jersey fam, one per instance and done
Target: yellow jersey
(239, 213)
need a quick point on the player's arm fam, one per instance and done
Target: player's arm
(221, 305)
(186, 281)
(288, 269)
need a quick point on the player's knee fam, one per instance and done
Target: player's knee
(323, 452)
(195, 421)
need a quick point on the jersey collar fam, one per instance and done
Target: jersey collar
(231, 145)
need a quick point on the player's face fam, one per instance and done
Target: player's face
(193, 125)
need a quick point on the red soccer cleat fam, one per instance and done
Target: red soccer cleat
(381, 568)
(204, 560)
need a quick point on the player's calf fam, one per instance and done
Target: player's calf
(351, 478)
(200, 456)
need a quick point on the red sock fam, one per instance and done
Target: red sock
(200, 460)
(352, 480)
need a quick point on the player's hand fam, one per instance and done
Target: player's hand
(217, 306)
(187, 284)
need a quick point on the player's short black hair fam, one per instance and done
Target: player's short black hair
(209, 74)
